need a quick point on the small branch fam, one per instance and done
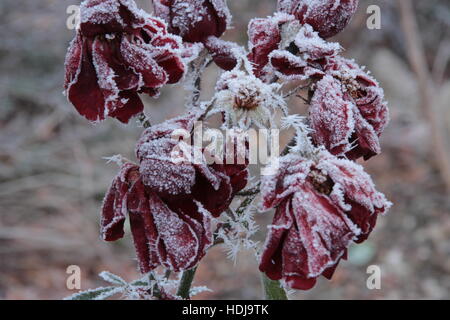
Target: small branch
(186, 282)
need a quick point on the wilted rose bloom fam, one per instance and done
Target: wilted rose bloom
(118, 52)
(194, 20)
(328, 17)
(169, 203)
(202, 21)
(322, 205)
(307, 57)
(348, 112)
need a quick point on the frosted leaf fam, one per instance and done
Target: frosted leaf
(101, 293)
(112, 278)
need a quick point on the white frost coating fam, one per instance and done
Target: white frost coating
(245, 100)
(108, 11)
(102, 13)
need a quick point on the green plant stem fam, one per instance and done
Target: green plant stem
(272, 289)
(185, 283)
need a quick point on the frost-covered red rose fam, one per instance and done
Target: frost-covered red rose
(194, 20)
(348, 112)
(328, 17)
(322, 206)
(169, 202)
(118, 52)
(200, 21)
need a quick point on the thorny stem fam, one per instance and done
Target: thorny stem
(186, 283)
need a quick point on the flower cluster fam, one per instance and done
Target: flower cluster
(323, 200)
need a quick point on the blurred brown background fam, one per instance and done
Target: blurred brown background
(53, 177)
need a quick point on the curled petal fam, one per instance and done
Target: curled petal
(222, 52)
(84, 91)
(291, 67)
(178, 244)
(332, 118)
(115, 207)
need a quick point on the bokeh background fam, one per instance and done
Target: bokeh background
(53, 175)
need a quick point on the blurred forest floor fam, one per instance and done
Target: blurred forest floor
(53, 175)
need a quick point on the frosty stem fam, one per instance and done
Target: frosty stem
(186, 282)
(272, 289)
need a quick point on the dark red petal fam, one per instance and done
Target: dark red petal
(178, 243)
(214, 200)
(332, 118)
(271, 259)
(300, 283)
(73, 60)
(132, 107)
(144, 231)
(112, 220)
(84, 92)
(114, 207)
(141, 59)
(172, 65)
(141, 243)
